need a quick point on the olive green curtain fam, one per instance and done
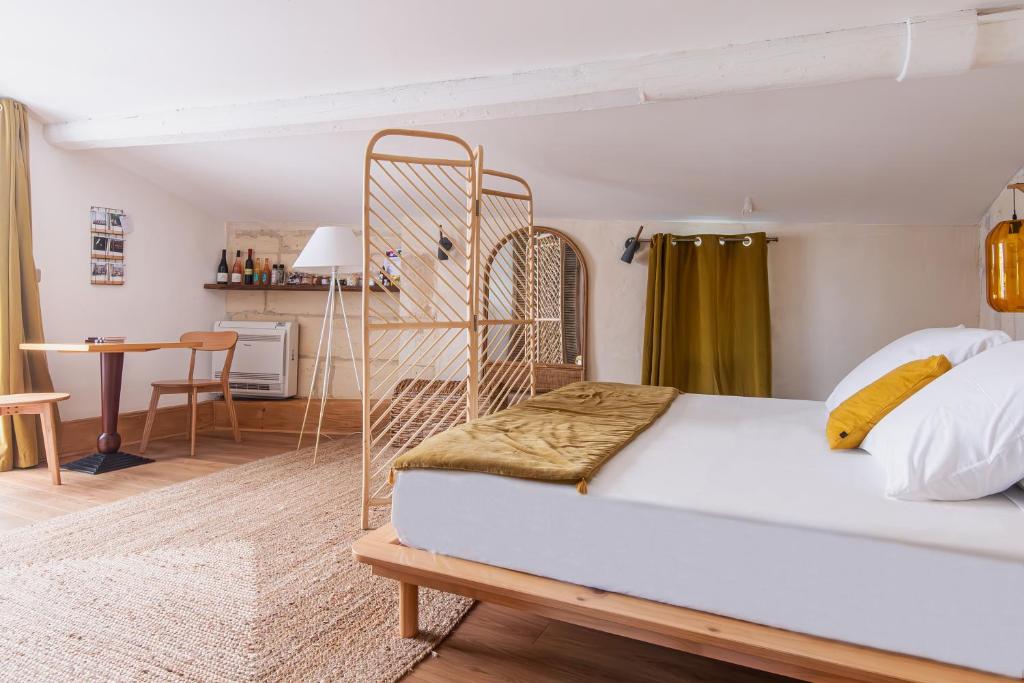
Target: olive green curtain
(20, 316)
(707, 328)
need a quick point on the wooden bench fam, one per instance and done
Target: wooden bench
(43, 405)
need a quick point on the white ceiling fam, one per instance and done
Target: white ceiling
(68, 59)
(922, 151)
(930, 151)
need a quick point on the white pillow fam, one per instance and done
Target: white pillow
(955, 343)
(961, 436)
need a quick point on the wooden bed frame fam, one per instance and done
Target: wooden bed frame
(759, 647)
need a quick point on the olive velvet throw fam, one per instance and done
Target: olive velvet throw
(563, 436)
(20, 316)
(707, 328)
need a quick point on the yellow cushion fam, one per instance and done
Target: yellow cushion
(852, 419)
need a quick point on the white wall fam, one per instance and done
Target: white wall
(1001, 210)
(172, 250)
(838, 293)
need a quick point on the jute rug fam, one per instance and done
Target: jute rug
(242, 575)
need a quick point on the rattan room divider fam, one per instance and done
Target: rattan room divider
(452, 337)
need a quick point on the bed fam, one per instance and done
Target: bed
(729, 529)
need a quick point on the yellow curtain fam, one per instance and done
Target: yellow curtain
(20, 316)
(707, 329)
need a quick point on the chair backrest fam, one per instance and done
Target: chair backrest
(212, 341)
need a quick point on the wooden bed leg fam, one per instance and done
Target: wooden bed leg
(408, 609)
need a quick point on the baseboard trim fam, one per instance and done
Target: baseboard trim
(341, 416)
(78, 437)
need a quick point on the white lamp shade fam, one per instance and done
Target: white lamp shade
(331, 246)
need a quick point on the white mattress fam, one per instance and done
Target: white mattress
(736, 506)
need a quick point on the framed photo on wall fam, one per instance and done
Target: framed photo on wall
(99, 245)
(99, 272)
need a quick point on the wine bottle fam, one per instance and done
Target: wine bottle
(248, 269)
(265, 274)
(236, 268)
(222, 267)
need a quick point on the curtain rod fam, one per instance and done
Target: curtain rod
(723, 238)
(633, 243)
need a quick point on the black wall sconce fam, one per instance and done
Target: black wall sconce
(632, 244)
(444, 245)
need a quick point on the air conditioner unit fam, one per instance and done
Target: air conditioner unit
(266, 363)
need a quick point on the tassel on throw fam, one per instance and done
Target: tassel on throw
(582, 486)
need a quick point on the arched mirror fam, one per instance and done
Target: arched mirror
(560, 307)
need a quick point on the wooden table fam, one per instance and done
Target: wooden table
(108, 455)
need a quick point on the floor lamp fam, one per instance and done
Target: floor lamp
(330, 250)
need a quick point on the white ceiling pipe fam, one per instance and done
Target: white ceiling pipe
(943, 45)
(940, 45)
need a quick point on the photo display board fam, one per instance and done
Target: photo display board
(106, 255)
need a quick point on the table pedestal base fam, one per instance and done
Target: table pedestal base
(98, 463)
(108, 456)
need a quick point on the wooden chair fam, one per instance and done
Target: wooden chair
(209, 341)
(43, 405)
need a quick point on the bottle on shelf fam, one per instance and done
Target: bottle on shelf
(248, 269)
(257, 272)
(265, 274)
(222, 268)
(236, 268)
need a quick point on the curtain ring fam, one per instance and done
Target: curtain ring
(697, 242)
(747, 240)
(721, 241)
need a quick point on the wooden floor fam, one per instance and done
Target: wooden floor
(27, 496)
(496, 643)
(492, 644)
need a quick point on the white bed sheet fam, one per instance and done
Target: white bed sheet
(736, 506)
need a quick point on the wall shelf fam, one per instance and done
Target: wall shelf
(294, 288)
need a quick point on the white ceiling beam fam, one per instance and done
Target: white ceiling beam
(940, 45)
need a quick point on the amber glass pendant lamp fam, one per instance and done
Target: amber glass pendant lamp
(1004, 262)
